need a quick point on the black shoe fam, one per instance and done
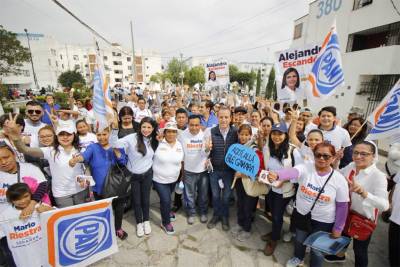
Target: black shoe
(334, 258)
(213, 222)
(225, 224)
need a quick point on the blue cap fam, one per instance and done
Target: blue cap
(281, 127)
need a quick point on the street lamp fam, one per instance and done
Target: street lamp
(30, 54)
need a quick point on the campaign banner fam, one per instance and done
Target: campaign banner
(297, 61)
(217, 75)
(79, 235)
(243, 159)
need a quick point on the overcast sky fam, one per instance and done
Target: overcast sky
(193, 27)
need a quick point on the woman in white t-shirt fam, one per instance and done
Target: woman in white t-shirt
(167, 164)
(86, 138)
(330, 211)
(65, 187)
(368, 187)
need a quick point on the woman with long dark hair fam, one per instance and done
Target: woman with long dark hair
(140, 149)
(127, 124)
(290, 91)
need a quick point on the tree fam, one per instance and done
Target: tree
(270, 91)
(233, 72)
(258, 85)
(12, 53)
(174, 68)
(195, 75)
(66, 79)
(160, 78)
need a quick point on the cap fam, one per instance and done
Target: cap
(356, 110)
(66, 127)
(171, 126)
(305, 109)
(240, 110)
(280, 127)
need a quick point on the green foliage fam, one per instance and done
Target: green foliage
(243, 78)
(270, 91)
(83, 93)
(3, 91)
(61, 98)
(41, 98)
(195, 75)
(77, 85)
(12, 53)
(233, 71)
(68, 78)
(174, 68)
(258, 85)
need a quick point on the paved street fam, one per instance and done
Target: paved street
(195, 245)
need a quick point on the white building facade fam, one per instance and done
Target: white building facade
(51, 58)
(369, 36)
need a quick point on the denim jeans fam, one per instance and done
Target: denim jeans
(220, 196)
(195, 184)
(141, 186)
(164, 192)
(277, 204)
(245, 206)
(317, 257)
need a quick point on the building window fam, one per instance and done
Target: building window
(86, 65)
(129, 67)
(84, 56)
(26, 73)
(386, 35)
(118, 71)
(77, 67)
(128, 59)
(62, 66)
(53, 52)
(61, 57)
(115, 54)
(56, 63)
(105, 57)
(106, 67)
(361, 3)
(75, 57)
(297, 31)
(117, 63)
(118, 80)
(146, 58)
(49, 62)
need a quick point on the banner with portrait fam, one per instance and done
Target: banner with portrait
(216, 75)
(292, 67)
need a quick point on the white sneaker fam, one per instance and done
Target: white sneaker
(147, 227)
(287, 237)
(139, 230)
(294, 262)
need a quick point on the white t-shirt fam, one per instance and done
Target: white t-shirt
(275, 165)
(167, 162)
(32, 130)
(287, 95)
(19, 156)
(140, 114)
(24, 237)
(337, 136)
(8, 179)
(304, 154)
(63, 176)
(395, 216)
(87, 140)
(310, 183)
(193, 147)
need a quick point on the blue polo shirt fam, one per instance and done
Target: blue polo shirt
(211, 122)
(45, 117)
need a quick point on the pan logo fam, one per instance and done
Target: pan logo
(80, 238)
(388, 118)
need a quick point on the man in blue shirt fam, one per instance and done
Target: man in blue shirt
(208, 119)
(51, 108)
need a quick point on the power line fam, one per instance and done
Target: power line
(395, 7)
(279, 6)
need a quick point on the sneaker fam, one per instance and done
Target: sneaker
(235, 230)
(139, 230)
(190, 220)
(287, 237)
(270, 247)
(121, 234)
(168, 229)
(334, 258)
(294, 262)
(213, 222)
(147, 227)
(225, 224)
(203, 218)
(172, 216)
(267, 237)
(243, 236)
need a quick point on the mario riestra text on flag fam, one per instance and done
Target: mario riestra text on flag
(386, 117)
(79, 235)
(327, 72)
(102, 104)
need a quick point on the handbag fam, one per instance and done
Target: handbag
(117, 182)
(303, 222)
(358, 226)
(254, 188)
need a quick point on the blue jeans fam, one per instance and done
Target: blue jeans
(317, 257)
(220, 197)
(195, 183)
(277, 204)
(164, 192)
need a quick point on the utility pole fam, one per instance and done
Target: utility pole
(181, 74)
(133, 57)
(30, 54)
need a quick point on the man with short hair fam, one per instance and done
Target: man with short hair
(306, 115)
(181, 117)
(208, 119)
(33, 124)
(218, 140)
(141, 110)
(195, 174)
(240, 114)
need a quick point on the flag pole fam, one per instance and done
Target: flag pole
(359, 129)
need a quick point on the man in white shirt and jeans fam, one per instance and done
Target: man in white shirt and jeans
(195, 175)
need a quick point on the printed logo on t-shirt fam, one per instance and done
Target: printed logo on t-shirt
(25, 234)
(3, 191)
(310, 192)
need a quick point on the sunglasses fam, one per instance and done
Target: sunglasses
(36, 111)
(322, 156)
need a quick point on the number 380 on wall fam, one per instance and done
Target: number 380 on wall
(325, 7)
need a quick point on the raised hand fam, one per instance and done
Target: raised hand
(11, 128)
(272, 176)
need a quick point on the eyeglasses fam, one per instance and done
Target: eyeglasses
(361, 154)
(36, 111)
(322, 156)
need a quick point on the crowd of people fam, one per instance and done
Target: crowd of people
(176, 145)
